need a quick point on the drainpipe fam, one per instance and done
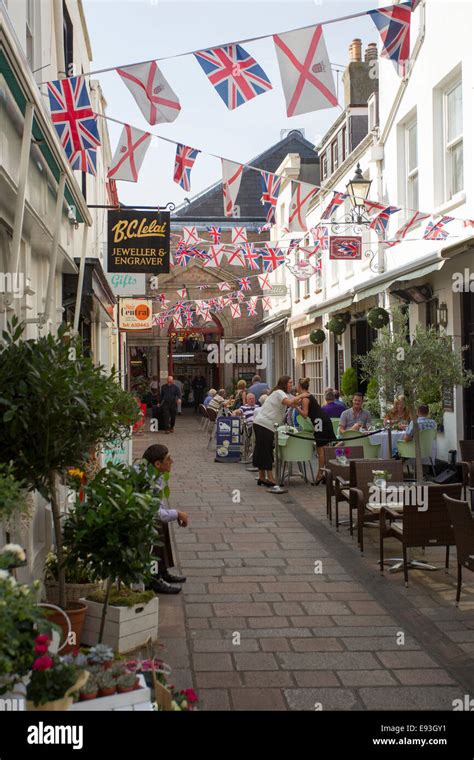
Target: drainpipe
(59, 37)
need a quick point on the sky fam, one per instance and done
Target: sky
(130, 31)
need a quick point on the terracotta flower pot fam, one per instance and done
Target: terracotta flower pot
(107, 692)
(76, 612)
(85, 697)
(124, 690)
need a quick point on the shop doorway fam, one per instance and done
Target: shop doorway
(362, 340)
(188, 354)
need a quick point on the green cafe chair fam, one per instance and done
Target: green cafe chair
(335, 425)
(406, 449)
(371, 450)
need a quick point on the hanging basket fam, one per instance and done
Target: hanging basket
(378, 318)
(317, 337)
(336, 325)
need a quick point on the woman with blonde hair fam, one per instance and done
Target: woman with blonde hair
(240, 395)
(399, 413)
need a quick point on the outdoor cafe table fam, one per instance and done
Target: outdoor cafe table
(341, 470)
(386, 446)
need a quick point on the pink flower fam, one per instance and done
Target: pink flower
(132, 665)
(42, 639)
(43, 663)
(41, 648)
(347, 452)
(190, 695)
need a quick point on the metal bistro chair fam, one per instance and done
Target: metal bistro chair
(203, 414)
(248, 442)
(212, 415)
(335, 425)
(429, 526)
(295, 449)
(462, 523)
(406, 449)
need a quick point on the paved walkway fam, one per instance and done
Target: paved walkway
(280, 612)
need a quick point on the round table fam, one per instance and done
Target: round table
(382, 439)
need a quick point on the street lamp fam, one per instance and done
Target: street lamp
(358, 190)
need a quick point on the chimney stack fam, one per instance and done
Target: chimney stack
(355, 51)
(371, 52)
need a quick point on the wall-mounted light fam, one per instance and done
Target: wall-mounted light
(442, 316)
(358, 190)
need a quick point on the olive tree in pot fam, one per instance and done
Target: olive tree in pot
(419, 365)
(114, 528)
(55, 406)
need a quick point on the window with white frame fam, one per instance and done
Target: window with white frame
(411, 166)
(453, 140)
(311, 362)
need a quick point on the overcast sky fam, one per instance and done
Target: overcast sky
(134, 30)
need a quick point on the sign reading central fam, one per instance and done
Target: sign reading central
(138, 241)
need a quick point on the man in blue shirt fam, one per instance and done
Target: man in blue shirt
(257, 387)
(424, 422)
(169, 396)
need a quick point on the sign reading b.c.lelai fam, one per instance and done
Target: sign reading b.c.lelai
(138, 241)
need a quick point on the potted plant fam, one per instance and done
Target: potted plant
(381, 477)
(55, 406)
(78, 577)
(118, 668)
(419, 364)
(107, 684)
(342, 454)
(317, 337)
(113, 528)
(336, 325)
(13, 498)
(101, 655)
(90, 689)
(378, 318)
(52, 682)
(126, 682)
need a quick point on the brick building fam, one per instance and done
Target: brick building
(184, 352)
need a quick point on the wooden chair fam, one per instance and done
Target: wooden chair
(357, 452)
(429, 526)
(462, 523)
(467, 463)
(360, 493)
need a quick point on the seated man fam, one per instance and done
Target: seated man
(332, 408)
(217, 402)
(355, 418)
(210, 395)
(424, 422)
(247, 411)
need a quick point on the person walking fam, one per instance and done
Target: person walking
(257, 387)
(271, 413)
(322, 425)
(159, 456)
(170, 394)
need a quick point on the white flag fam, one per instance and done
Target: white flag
(128, 157)
(154, 96)
(231, 177)
(239, 235)
(301, 196)
(190, 235)
(305, 70)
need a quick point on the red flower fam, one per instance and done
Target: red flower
(43, 663)
(190, 695)
(41, 648)
(42, 639)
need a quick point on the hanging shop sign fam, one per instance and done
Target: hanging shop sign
(127, 284)
(277, 291)
(135, 314)
(344, 248)
(138, 241)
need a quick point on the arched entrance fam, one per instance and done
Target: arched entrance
(187, 351)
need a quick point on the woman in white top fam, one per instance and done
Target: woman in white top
(273, 411)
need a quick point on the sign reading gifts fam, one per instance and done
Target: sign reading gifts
(138, 241)
(135, 314)
(344, 247)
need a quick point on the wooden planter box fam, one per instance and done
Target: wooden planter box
(126, 628)
(139, 699)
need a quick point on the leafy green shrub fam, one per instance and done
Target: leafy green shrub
(349, 382)
(124, 597)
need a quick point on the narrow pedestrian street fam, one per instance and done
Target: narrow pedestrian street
(280, 612)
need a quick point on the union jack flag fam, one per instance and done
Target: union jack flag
(380, 223)
(321, 237)
(244, 283)
(184, 162)
(372, 207)
(85, 161)
(265, 228)
(251, 256)
(252, 307)
(188, 318)
(215, 233)
(393, 24)
(436, 231)
(348, 248)
(233, 72)
(404, 229)
(335, 202)
(272, 258)
(183, 256)
(271, 185)
(72, 115)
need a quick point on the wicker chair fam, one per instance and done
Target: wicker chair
(467, 456)
(342, 487)
(357, 452)
(212, 416)
(463, 527)
(359, 494)
(203, 415)
(420, 528)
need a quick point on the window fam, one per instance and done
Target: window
(411, 164)
(29, 33)
(453, 140)
(344, 143)
(311, 362)
(68, 42)
(335, 155)
(324, 166)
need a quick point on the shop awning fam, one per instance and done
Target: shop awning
(264, 331)
(397, 276)
(335, 304)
